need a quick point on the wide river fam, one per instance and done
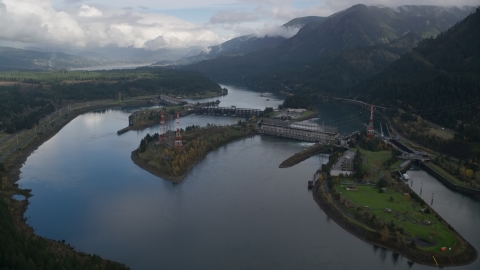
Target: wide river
(235, 210)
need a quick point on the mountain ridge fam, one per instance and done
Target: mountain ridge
(358, 26)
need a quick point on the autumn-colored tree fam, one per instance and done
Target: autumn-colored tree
(469, 173)
(385, 234)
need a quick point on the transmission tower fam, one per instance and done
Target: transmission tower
(370, 130)
(178, 136)
(163, 130)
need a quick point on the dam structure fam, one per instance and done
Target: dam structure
(302, 131)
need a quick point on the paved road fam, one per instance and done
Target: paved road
(10, 136)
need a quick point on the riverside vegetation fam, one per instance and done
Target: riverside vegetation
(20, 248)
(27, 97)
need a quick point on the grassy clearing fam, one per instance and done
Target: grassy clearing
(440, 133)
(396, 166)
(376, 159)
(377, 202)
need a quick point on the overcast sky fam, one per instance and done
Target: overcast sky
(156, 24)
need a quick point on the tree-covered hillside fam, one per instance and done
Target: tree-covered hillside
(438, 80)
(336, 72)
(11, 58)
(358, 26)
(26, 97)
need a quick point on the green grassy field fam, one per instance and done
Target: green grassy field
(377, 202)
(395, 166)
(376, 159)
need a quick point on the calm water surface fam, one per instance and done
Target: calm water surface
(235, 210)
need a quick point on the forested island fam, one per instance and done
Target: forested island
(173, 163)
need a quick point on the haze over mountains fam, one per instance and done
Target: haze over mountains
(250, 43)
(245, 57)
(321, 44)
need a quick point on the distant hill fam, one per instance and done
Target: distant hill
(363, 25)
(438, 80)
(237, 46)
(302, 21)
(11, 58)
(335, 72)
(358, 26)
(245, 44)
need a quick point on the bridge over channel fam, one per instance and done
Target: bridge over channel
(360, 103)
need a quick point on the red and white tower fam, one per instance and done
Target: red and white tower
(163, 130)
(178, 136)
(370, 130)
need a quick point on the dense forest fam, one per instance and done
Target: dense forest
(28, 96)
(331, 55)
(299, 102)
(439, 80)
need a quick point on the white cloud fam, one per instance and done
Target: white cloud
(274, 30)
(36, 22)
(88, 11)
(93, 23)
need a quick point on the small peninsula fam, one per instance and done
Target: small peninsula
(363, 190)
(172, 163)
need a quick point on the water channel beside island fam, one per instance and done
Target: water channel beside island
(234, 210)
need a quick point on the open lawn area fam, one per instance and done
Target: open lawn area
(376, 159)
(405, 212)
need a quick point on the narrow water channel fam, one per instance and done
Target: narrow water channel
(235, 210)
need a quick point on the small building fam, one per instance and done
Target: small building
(352, 188)
(387, 210)
(426, 222)
(296, 111)
(384, 190)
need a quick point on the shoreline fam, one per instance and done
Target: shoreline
(420, 257)
(18, 162)
(144, 165)
(19, 207)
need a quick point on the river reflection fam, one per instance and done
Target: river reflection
(235, 210)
